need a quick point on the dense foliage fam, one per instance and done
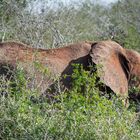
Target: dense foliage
(41, 24)
(81, 113)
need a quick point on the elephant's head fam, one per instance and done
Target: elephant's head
(116, 66)
(134, 60)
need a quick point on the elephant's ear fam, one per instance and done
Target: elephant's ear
(112, 65)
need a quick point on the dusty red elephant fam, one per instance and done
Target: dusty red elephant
(119, 67)
(57, 61)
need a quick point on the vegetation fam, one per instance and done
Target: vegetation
(81, 113)
(75, 115)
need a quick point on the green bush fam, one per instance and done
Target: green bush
(132, 40)
(81, 113)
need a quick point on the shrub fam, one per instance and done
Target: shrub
(81, 113)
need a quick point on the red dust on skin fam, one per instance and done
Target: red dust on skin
(107, 54)
(118, 66)
(134, 58)
(56, 60)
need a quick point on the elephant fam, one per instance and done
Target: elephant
(42, 66)
(118, 68)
